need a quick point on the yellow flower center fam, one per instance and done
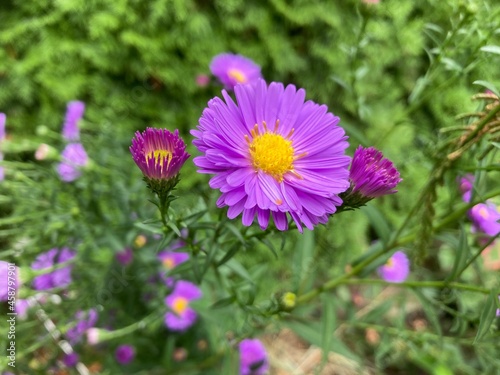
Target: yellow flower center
(237, 75)
(483, 212)
(390, 263)
(168, 263)
(272, 153)
(160, 156)
(180, 305)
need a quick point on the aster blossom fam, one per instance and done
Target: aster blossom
(485, 218)
(84, 321)
(232, 69)
(253, 357)
(125, 354)
(8, 276)
(74, 158)
(371, 176)
(273, 154)
(60, 277)
(396, 269)
(181, 316)
(74, 113)
(160, 155)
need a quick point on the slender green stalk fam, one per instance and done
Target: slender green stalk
(418, 284)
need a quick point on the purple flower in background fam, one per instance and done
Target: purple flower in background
(58, 278)
(371, 174)
(397, 268)
(158, 153)
(465, 185)
(125, 354)
(498, 310)
(253, 357)
(74, 158)
(181, 316)
(71, 359)
(3, 119)
(84, 321)
(202, 80)
(273, 154)
(22, 306)
(74, 113)
(5, 278)
(172, 259)
(485, 218)
(125, 256)
(233, 69)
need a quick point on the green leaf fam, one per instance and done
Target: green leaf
(430, 312)
(328, 325)
(303, 258)
(229, 254)
(460, 256)
(487, 316)
(488, 85)
(491, 49)
(223, 302)
(378, 222)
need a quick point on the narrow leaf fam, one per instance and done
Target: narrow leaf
(487, 316)
(488, 85)
(491, 49)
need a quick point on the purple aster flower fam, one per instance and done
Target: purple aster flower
(273, 154)
(125, 354)
(8, 274)
(125, 256)
(465, 185)
(71, 359)
(74, 112)
(181, 316)
(202, 80)
(485, 218)
(158, 153)
(253, 357)
(74, 158)
(22, 306)
(498, 310)
(172, 259)
(60, 277)
(371, 176)
(397, 268)
(84, 321)
(233, 69)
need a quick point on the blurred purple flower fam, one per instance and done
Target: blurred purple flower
(4, 280)
(371, 174)
(172, 259)
(125, 354)
(498, 310)
(181, 316)
(22, 306)
(158, 153)
(465, 185)
(58, 278)
(202, 80)
(125, 256)
(74, 112)
(84, 321)
(74, 158)
(397, 268)
(233, 69)
(71, 359)
(485, 218)
(253, 357)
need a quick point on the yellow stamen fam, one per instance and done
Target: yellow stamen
(160, 156)
(237, 75)
(390, 263)
(271, 153)
(180, 305)
(168, 263)
(483, 212)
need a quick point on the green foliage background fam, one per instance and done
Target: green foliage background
(397, 74)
